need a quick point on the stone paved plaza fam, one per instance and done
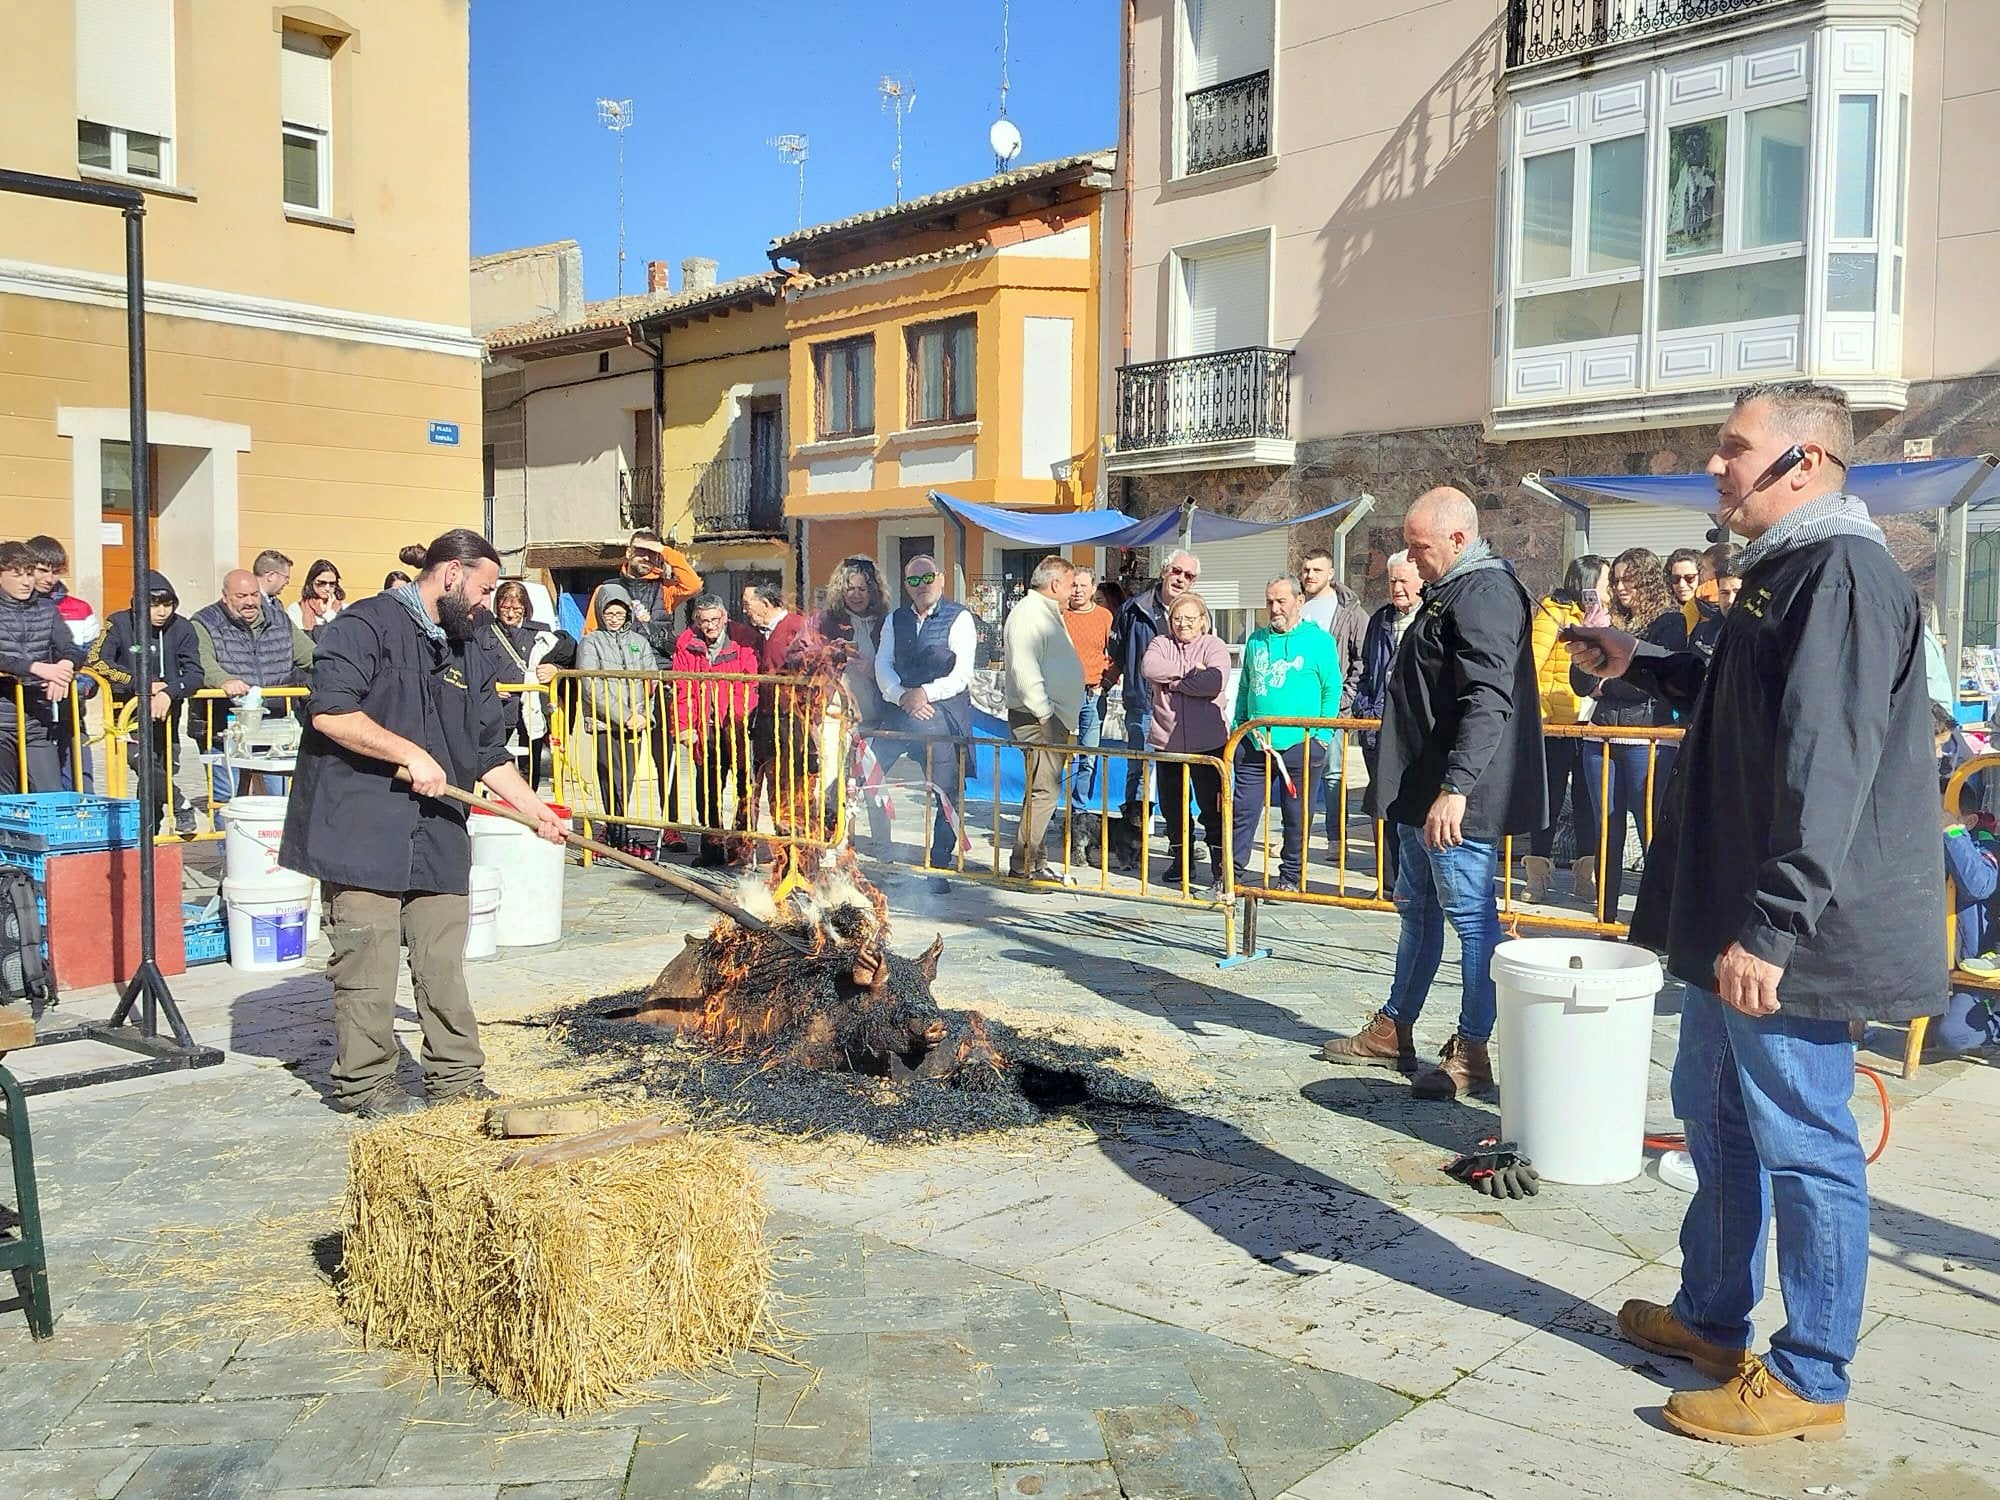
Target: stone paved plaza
(1267, 1291)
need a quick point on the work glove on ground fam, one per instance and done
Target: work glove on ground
(1497, 1169)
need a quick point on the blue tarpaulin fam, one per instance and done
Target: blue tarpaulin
(1111, 528)
(1888, 489)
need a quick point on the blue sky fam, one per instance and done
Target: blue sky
(709, 83)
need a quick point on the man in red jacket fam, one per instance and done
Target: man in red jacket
(713, 719)
(781, 738)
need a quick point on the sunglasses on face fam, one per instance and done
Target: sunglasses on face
(1686, 577)
(919, 580)
(1188, 573)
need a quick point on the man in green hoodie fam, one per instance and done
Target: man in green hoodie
(1291, 670)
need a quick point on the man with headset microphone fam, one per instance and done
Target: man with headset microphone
(1794, 884)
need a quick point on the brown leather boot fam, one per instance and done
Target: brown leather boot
(1753, 1409)
(1653, 1326)
(1382, 1042)
(1464, 1067)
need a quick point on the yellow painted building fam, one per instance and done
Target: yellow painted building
(948, 343)
(307, 211)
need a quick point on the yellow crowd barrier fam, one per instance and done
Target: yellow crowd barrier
(195, 732)
(39, 721)
(1962, 978)
(718, 755)
(1359, 890)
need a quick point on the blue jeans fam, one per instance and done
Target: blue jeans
(1255, 775)
(1765, 1102)
(1628, 800)
(1083, 770)
(1431, 886)
(1331, 807)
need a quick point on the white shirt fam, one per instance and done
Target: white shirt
(964, 643)
(1320, 608)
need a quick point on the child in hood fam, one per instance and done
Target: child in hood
(176, 674)
(620, 711)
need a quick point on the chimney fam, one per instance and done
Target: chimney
(656, 276)
(697, 274)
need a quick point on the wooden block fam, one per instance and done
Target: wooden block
(515, 1123)
(17, 1028)
(595, 1143)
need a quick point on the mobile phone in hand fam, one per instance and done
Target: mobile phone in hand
(1594, 612)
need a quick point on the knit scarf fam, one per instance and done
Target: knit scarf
(1477, 555)
(406, 595)
(1838, 514)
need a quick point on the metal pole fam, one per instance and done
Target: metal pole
(1951, 551)
(1363, 504)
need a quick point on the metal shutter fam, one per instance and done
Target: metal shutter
(1234, 573)
(306, 81)
(1229, 39)
(1661, 528)
(125, 64)
(1228, 298)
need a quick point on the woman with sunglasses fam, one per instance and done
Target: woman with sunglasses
(320, 600)
(525, 651)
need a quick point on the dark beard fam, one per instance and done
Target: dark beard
(456, 616)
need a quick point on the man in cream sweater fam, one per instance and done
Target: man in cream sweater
(1044, 680)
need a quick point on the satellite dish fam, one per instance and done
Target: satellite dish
(1005, 140)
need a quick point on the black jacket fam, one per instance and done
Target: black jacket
(1371, 686)
(1140, 618)
(348, 821)
(1621, 703)
(1464, 706)
(32, 631)
(114, 655)
(1801, 816)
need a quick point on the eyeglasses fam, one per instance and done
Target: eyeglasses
(1686, 577)
(919, 580)
(1188, 573)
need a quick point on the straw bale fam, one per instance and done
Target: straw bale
(561, 1287)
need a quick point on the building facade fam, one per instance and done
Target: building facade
(948, 343)
(314, 383)
(1386, 247)
(663, 410)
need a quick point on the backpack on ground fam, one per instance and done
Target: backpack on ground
(24, 972)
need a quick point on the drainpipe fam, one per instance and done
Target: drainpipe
(1129, 24)
(1184, 538)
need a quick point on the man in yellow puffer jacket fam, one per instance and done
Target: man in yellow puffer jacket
(1562, 705)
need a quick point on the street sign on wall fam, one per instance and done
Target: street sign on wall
(445, 434)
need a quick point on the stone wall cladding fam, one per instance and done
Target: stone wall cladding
(1962, 417)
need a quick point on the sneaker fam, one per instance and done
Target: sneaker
(673, 843)
(1754, 1408)
(475, 1090)
(1655, 1329)
(1464, 1067)
(386, 1101)
(184, 822)
(1382, 1041)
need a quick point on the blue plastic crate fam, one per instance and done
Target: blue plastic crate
(204, 938)
(34, 861)
(45, 821)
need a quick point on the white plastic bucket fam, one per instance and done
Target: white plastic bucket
(268, 921)
(1576, 1049)
(253, 828)
(531, 879)
(482, 924)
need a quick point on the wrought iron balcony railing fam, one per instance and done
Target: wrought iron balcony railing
(1229, 122)
(1205, 398)
(734, 495)
(1542, 30)
(639, 498)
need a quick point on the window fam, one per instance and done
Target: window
(1696, 190)
(943, 372)
(1617, 202)
(846, 394)
(1854, 168)
(1225, 300)
(1548, 208)
(1225, 82)
(306, 103)
(125, 87)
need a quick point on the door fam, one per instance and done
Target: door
(767, 470)
(115, 492)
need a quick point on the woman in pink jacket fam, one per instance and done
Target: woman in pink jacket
(1188, 667)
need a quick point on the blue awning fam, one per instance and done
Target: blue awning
(1888, 489)
(1112, 528)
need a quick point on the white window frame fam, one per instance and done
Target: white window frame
(120, 156)
(1620, 103)
(323, 140)
(1182, 85)
(1265, 239)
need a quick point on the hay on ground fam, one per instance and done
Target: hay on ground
(561, 1287)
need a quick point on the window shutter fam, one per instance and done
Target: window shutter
(1231, 39)
(125, 64)
(306, 81)
(1234, 573)
(1658, 528)
(1227, 300)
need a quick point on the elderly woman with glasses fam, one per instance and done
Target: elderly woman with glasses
(525, 651)
(1140, 619)
(1188, 670)
(320, 600)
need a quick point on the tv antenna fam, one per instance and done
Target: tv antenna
(794, 151)
(1004, 137)
(900, 95)
(615, 115)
